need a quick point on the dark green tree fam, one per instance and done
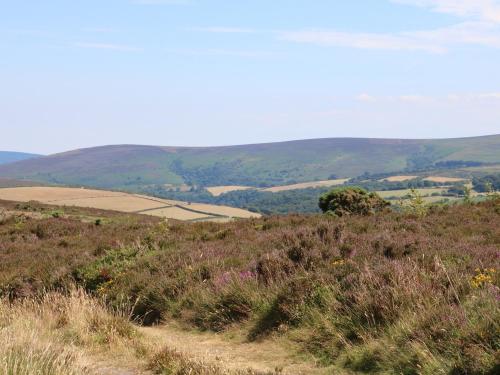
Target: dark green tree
(351, 201)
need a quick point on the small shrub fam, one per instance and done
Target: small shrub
(351, 201)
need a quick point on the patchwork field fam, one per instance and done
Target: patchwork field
(404, 192)
(124, 202)
(443, 180)
(398, 178)
(219, 190)
(307, 185)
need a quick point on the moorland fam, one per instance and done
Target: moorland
(410, 292)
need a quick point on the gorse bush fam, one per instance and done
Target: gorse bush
(351, 201)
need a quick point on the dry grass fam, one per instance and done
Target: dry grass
(222, 210)
(444, 180)
(53, 194)
(398, 178)
(123, 202)
(306, 185)
(60, 335)
(219, 190)
(179, 214)
(75, 334)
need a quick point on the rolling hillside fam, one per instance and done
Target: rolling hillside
(9, 157)
(123, 202)
(271, 164)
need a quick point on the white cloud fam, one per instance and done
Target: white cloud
(418, 98)
(224, 30)
(481, 26)
(373, 41)
(487, 10)
(107, 46)
(490, 95)
(479, 33)
(434, 41)
(224, 52)
(99, 30)
(365, 98)
(414, 98)
(162, 2)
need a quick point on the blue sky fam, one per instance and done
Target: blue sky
(216, 72)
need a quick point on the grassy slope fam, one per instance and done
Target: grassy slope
(392, 293)
(271, 164)
(10, 157)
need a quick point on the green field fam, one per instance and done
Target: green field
(404, 192)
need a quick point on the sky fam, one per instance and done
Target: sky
(82, 73)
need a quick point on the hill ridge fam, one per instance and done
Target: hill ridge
(129, 166)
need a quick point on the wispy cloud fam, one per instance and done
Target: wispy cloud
(487, 10)
(224, 52)
(419, 99)
(434, 41)
(99, 30)
(490, 95)
(224, 30)
(108, 46)
(480, 26)
(365, 98)
(370, 41)
(162, 2)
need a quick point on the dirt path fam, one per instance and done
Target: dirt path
(231, 354)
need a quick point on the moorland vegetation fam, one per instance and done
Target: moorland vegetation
(412, 292)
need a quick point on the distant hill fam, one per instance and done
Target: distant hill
(9, 157)
(130, 166)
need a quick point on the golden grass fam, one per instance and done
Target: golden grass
(75, 334)
(60, 335)
(306, 185)
(398, 178)
(122, 203)
(222, 210)
(178, 214)
(53, 194)
(219, 190)
(443, 180)
(116, 201)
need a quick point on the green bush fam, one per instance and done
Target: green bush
(351, 201)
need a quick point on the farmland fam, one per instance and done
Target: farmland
(219, 190)
(443, 180)
(398, 178)
(306, 185)
(124, 202)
